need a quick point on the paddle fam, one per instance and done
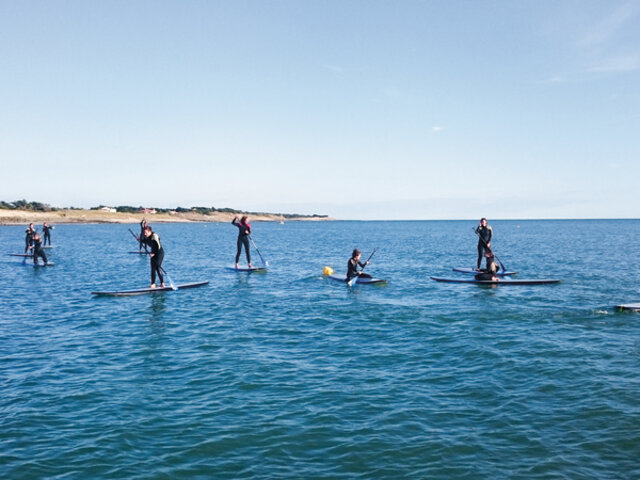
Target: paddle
(173, 287)
(264, 262)
(139, 242)
(487, 246)
(353, 279)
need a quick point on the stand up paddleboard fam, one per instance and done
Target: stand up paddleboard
(143, 291)
(634, 307)
(543, 281)
(248, 269)
(473, 271)
(359, 280)
(50, 264)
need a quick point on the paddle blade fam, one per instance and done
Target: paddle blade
(173, 287)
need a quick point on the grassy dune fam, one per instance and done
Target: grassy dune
(19, 217)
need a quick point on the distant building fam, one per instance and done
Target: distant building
(108, 209)
(148, 211)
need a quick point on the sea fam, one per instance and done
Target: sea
(287, 374)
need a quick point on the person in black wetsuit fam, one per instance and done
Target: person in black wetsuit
(38, 251)
(485, 232)
(352, 266)
(244, 230)
(28, 239)
(488, 273)
(143, 225)
(46, 228)
(157, 254)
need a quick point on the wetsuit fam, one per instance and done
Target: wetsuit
(157, 256)
(352, 269)
(141, 236)
(488, 273)
(244, 230)
(484, 275)
(47, 235)
(28, 239)
(38, 251)
(484, 238)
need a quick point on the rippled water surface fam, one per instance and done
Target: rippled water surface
(289, 375)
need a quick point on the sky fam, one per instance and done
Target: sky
(356, 109)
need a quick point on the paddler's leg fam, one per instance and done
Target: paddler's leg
(480, 254)
(154, 268)
(247, 252)
(238, 250)
(158, 258)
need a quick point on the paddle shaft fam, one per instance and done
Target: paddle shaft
(487, 246)
(264, 262)
(367, 262)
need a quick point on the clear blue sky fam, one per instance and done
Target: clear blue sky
(357, 109)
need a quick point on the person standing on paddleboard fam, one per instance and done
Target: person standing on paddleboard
(38, 251)
(143, 225)
(157, 254)
(28, 239)
(352, 266)
(46, 231)
(485, 232)
(244, 230)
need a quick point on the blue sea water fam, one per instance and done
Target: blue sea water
(289, 375)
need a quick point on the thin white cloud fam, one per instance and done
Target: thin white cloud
(616, 64)
(611, 24)
(333, 68)
(436, 128)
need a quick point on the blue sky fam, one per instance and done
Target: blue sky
(356, 109)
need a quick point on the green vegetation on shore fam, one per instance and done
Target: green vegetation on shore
(44, 207)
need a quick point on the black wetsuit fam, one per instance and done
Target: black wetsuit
(243, 239)
(158, 255)
(28, 239)
(352, 269)
(488, 273)
(141, 236)
(38, 252)
(484, 238)
(47, 234)
(485, 275)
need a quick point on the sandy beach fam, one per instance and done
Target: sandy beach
(19, 217)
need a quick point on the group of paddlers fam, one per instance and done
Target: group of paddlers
(484, 232)
(34, 242)
(150, 241)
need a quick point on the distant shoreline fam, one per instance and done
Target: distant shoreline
(57, 217)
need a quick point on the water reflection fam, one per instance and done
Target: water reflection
(158, 307)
